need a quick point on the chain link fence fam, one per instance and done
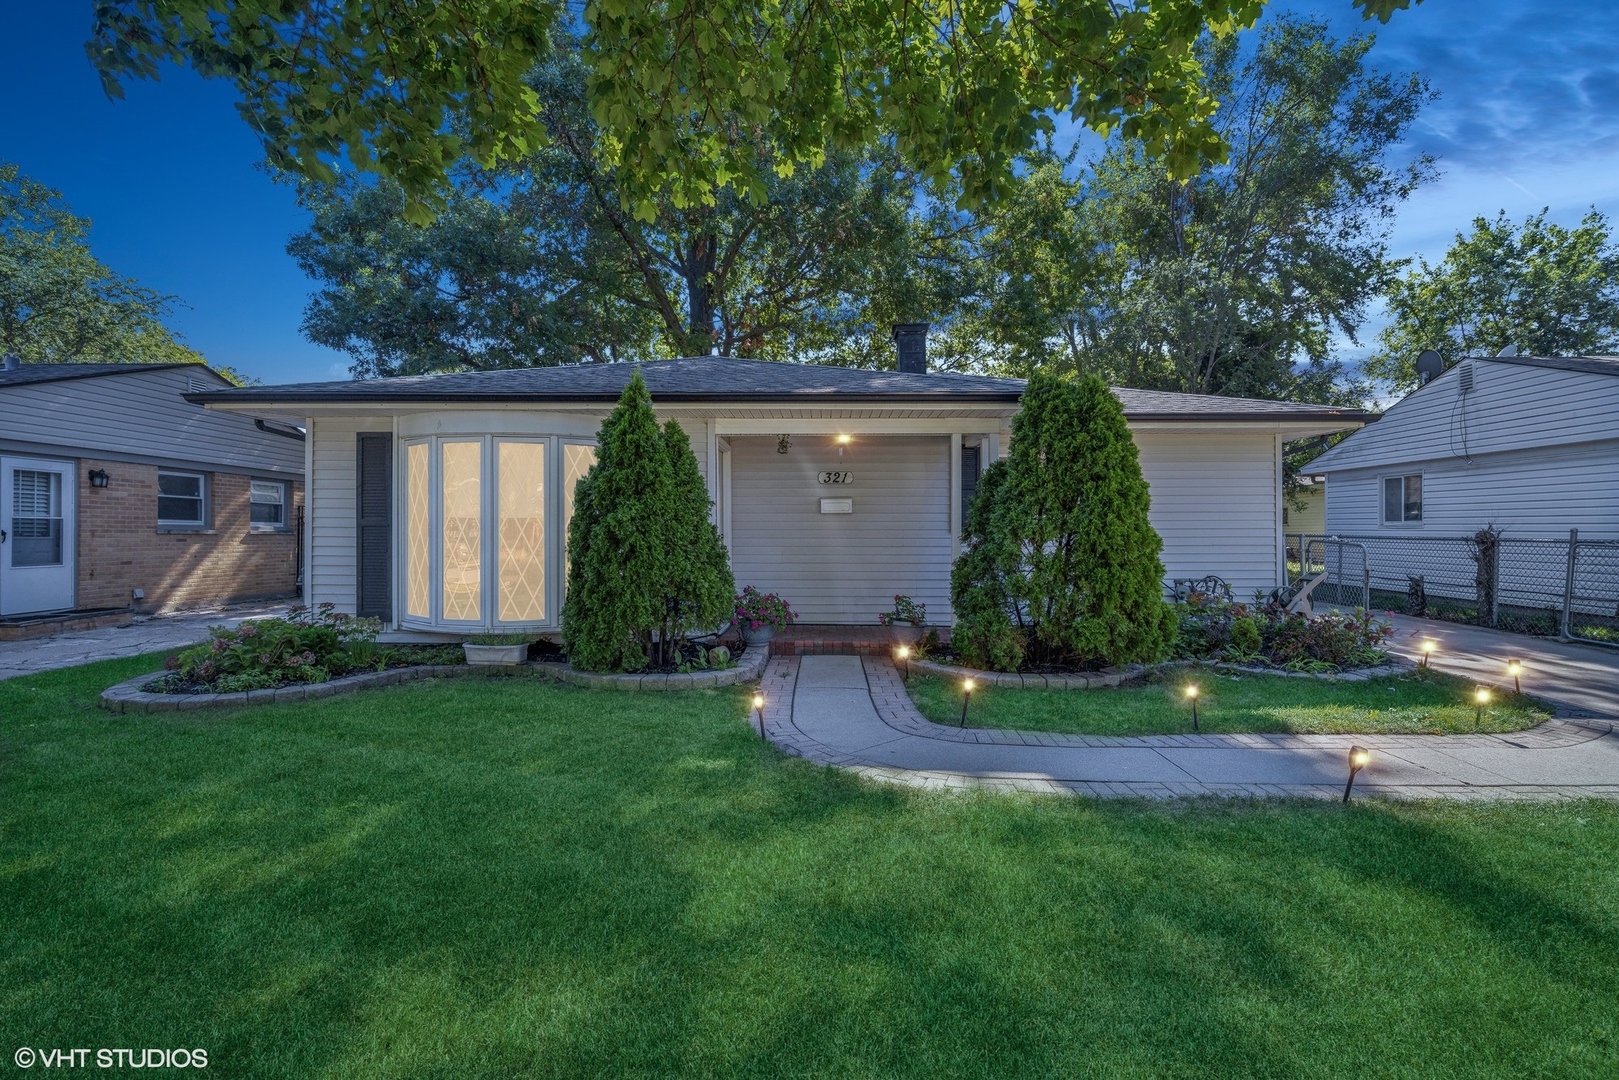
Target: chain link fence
(1564, 587)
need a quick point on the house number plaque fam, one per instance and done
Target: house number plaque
(836, 477)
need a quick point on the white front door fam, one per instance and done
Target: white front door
(36, 535)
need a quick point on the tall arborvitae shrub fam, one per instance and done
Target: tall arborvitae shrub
(646, 566)
(618, 553)
(1060, 561)
(700, 588)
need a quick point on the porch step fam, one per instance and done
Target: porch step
(811, 639)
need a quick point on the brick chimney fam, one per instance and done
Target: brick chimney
(911, 339)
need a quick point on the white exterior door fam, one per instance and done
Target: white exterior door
(36, 535)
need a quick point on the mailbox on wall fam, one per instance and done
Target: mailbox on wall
(837, 506)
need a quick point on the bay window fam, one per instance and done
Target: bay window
(484, 528)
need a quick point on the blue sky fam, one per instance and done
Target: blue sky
(1528, 117)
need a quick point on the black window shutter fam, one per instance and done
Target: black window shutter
(969, 480)
(374, 584)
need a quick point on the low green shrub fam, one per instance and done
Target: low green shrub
(309, 645)
(1214, 628)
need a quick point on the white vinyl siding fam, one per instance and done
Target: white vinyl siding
(1511, 407)
(844, 568)
(1215, 504)
(1527, 493)
(333, 508)
(140, 416)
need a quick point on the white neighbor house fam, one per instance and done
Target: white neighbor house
(1529, 444)
(440, 503)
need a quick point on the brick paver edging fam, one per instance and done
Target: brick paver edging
(128, 697)
(746, 670)
(1109, 677)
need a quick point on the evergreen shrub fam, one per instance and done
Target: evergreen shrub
(1060, 564)
(646, 567)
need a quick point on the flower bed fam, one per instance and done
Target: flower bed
(1214, 629)
(309, 647)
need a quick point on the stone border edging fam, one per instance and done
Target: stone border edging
(747, 669)
(128, 697)
(1089, 681)
(1109, 677)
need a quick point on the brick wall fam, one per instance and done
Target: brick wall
(121, 548)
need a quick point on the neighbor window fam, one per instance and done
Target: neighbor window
(180, 499)
(1402, 499)
(267, 506)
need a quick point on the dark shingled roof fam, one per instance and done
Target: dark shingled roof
(723, 378)
(1591, 365)
(43, 373)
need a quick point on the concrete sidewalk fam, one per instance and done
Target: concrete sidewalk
(143, 634)
(855, 714)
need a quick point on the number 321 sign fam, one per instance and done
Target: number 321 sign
(836, 477)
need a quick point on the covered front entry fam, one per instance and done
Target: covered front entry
(838, 524)
(36, 535)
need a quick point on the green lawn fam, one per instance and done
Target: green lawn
(501, 878)
(1425, 703)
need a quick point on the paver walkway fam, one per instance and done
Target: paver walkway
(143, 634)
(853, 712)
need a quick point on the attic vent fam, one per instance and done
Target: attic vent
(196, 386)
(1466, 377)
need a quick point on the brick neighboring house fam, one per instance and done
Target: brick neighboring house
(118, 495)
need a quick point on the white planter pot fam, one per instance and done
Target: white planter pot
(501, 655)
(761, 636)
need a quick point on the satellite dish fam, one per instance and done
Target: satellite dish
(1510, 350)
(1429, 365)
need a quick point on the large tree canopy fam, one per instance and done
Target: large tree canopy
(683, 91)
(1233, 281)
(1545, 289)
(58, 302)
(539, 263)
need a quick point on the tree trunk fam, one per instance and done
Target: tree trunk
(700, 295)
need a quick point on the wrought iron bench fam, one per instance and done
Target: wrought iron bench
(1209, 585)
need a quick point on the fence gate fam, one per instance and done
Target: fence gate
(1349, 580)
(1591, 591)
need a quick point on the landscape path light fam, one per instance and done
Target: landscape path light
(759, 707)
(1191, 695)
(1481, 698)
(966, 699)
(905, 658)
(1358, 757)
(1515, 669)
(1428, 646)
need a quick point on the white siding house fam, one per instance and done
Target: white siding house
(836, 487)
(1528, 444)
